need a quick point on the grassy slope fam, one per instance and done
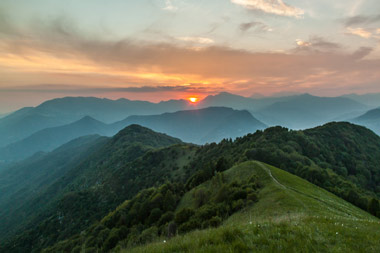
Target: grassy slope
(292, 215)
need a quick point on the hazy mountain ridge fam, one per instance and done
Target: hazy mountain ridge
(210, 124)
(62, 111)
(305, 111)
(370, 119)
(51, 138)
(196, 126)
(269, 110)
(370, 99)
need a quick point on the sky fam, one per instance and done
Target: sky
(169, 49)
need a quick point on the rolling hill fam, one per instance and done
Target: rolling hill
(339, 157)
(21, 184)
(288, 214)
(199, 126)
(90, 182)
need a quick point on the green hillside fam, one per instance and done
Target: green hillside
(291, 215)
(88, 190)
(339, 157)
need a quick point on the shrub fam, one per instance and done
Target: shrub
(184, 215)
(215, 221)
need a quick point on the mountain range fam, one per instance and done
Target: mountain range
(62, 111)
(19, 130)
(196, 126)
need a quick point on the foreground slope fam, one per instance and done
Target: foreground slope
(291, 215)
(339, 157)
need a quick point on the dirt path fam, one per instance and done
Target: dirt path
(270, 174)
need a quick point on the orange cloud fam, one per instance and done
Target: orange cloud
(361, 32)
(277, 7)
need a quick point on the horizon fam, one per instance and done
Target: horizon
(199, 99)
(157, 50)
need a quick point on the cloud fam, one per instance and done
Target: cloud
(66, 88)
(59, 52)
(276, 7)
(199, 40)
(169, 6)
(318, 44)
(361, 32)
(302, 43)
(361, 53)
(361, 20)
(257, 26)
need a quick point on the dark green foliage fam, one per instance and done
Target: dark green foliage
(115, 170)
(222, 165)
(340, 157)
(374, 207)
(134, 222)
(213, 204)
(184, 215)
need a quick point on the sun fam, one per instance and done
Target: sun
(193, 99)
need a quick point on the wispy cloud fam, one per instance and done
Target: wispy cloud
(317, 44)
(169, 6)
(78, 88)
(276, 7)
(199, 40)
(257, 26)
(361, 32)
(361, 20)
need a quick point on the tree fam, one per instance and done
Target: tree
(169, 201)
(222, 164)
(184, 215)
(374, 207)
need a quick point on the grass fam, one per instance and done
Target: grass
(292, 215)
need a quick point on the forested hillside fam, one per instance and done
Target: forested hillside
(339, 157)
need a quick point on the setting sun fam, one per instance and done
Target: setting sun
(193, 99)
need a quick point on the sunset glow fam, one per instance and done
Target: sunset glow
(65, 49)
(193, 99)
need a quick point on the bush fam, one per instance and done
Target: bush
(215, 221)
(155, 214)
(112, 239)
(165, 218)
(149, 235)
(184, 215)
